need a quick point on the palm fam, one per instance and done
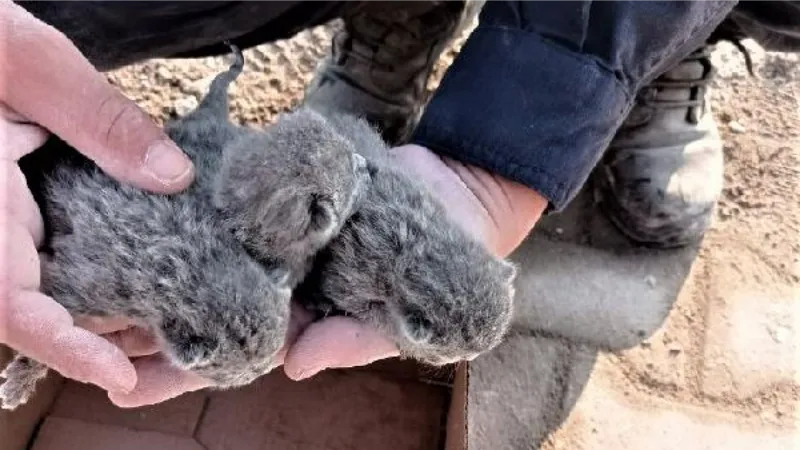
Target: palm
(498, 212)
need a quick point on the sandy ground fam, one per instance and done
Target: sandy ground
(753, 245)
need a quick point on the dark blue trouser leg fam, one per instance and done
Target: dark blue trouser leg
(113, 34)
(774, 25)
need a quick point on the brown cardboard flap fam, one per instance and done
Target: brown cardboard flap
(376, 396)
(457, 414)
(17, 428)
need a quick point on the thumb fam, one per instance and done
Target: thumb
(157, 381)
(49, 82)
(336, 342)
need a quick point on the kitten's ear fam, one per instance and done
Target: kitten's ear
(416, 327)
(323, 215)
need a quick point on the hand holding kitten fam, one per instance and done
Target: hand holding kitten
(103, 125)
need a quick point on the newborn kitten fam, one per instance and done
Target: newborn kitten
(286, 205)
(169, 262)
(400, 264)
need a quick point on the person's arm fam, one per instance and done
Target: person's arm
(540, 88)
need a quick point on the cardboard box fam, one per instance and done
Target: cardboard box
(393, 404)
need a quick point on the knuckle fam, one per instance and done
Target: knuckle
(118, 127)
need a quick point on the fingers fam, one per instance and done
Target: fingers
(158, 381)
(299, 320)
(16, 201)
(336, 342)
(103, 325)
(40, 328)
(19, 261)
(122, 332)
(48, 81)
(17, 137)
(134, 342)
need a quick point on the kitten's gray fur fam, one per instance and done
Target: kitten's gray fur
(170, 262)
(309, 194)
(400, 264)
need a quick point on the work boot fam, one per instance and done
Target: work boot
(380, 61)
(660, 178)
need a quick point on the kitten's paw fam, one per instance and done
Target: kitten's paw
(21, 377)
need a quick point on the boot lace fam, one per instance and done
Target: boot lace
(649, 96)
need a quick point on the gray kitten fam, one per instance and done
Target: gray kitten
(170, 262)
(285, 206)
(402, 266)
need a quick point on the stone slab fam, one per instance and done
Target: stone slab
(523, 390)
(581, 279)
(606, 418)
(753, 337)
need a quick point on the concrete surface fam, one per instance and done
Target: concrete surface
(524, 390)
(583, 281)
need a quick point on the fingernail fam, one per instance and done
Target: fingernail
(123, 387)
(302, 374)
(118, 387)
(167, 163)
(123, 384)
(121, 400)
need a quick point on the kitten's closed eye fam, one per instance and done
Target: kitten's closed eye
(322, 213)
(287, 190)
(189, 347)
(281, 276)
(417, 328)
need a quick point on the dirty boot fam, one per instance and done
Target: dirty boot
(662, 174)
(380, 61)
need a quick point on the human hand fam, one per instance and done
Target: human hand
(46, 85)
(498, 212)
